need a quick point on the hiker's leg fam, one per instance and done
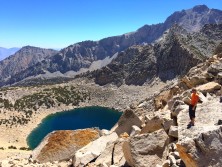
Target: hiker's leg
(190, 112)
(192, 121)
(193, 116)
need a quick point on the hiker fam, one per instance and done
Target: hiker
(192, 107)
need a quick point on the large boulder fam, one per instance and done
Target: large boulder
(197, 80)
(146, 149)
(91, 151)
(106, 155)
(126, 121)
(177, 107)
(185, 83)
(118, 156)
(203, 150)
(209, 87)
(215, 68)
(152, 125)
(112, 155)
(161, 100)
(165, 116)
(62, 145)
(170, 103)
(173, 131)
(159, 120)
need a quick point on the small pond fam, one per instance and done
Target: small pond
(87, 117)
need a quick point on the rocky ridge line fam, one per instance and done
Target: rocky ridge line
(171, 56)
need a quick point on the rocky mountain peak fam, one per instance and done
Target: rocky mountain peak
(194, 19)
(200, 9)
(30, 49)
(22, 59)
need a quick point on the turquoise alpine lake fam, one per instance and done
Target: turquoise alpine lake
(80, 118)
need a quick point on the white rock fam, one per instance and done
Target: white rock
(172, 159)
(118, 156)
(104, 132)
(135, 130)
(104, 165)
(175, 154)
(174, 165)
(92, 150)
(173, 131)
(202, 97)
(106, 155)
(142, 104)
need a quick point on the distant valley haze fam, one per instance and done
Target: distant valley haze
(5, 52)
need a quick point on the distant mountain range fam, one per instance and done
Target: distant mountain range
(5, 52)
(22, 59)
(155, 41)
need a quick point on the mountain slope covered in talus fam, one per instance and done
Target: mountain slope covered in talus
(83, 54)
(22, 59)
(173, 55)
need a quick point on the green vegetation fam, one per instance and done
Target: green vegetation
(7, 88)
(33, 101)
(67, 95)
(50, 97)
(4, 103)
(12, 147)
(24, 148)
(14, 121)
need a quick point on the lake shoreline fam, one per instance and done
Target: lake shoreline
(118, 98)
(79, 118)
(19, 141)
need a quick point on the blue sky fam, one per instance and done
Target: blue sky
(60, 23)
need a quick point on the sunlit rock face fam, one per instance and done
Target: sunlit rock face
(61, 145)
